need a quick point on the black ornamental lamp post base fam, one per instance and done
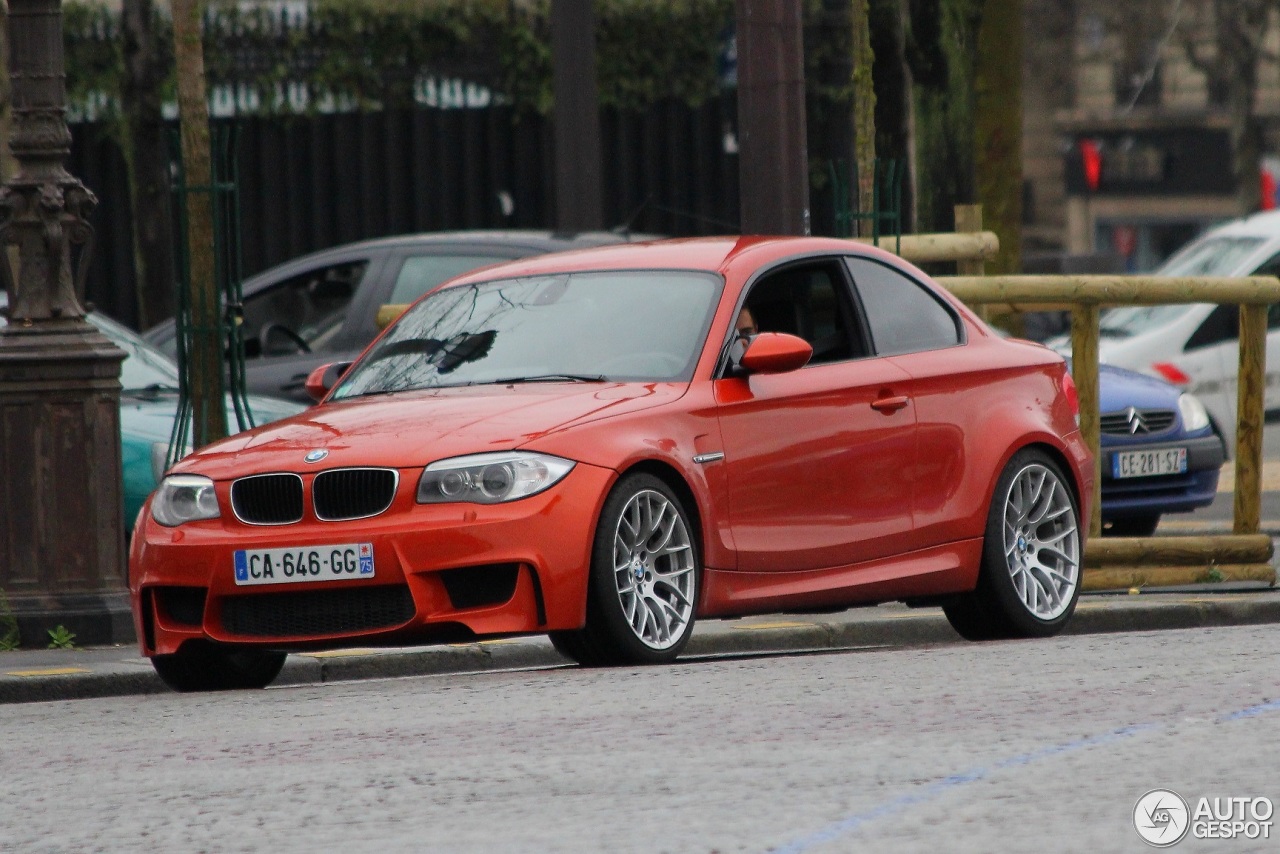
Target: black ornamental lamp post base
(61, 519)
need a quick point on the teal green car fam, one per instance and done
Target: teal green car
(148, 406)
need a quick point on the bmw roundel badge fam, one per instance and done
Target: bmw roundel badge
(316, 455)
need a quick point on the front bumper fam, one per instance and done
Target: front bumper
(441, 572)
(1178, 493)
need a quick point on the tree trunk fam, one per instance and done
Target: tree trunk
(894, 109)
(998, 128)
(578, 164)
(149, 164)
(864, 112)
(205, 363)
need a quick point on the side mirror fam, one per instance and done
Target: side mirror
(388, 313)
(776, 353)
(324, 378)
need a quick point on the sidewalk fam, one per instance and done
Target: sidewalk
(37, 675)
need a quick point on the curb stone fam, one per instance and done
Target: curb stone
(38, 676)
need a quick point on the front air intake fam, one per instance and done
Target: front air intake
(317, 613)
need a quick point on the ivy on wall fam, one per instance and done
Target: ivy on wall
(365, 55)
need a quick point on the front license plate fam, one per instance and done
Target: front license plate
(305, 563)
(1149, 463)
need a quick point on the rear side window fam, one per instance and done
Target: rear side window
(903, 315)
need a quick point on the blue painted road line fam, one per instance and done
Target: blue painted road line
(938, 788)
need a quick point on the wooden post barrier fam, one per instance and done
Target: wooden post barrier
(1251, 384)
(1216, 549)
(1084, 371)
(971, 248)
(1163, 560)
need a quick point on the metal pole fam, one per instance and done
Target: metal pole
(61, 509)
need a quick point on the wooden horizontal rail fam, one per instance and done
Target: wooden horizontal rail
(1120, 578)
(1021, 293)
(1178, 551)
(930, 248)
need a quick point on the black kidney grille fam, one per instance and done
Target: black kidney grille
(353, 493)
(316, 613)
(267, 499)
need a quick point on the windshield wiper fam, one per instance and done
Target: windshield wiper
(545, 378)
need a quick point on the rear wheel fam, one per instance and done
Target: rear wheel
(645, 576)
(1030, 576)
(1132, 526)
(206, 666)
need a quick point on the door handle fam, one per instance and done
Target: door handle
(889, 405)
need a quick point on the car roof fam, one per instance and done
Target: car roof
(1262, 224)
(712, 254)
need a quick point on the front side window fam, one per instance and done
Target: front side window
(302, 312)
(903, 315)
(807, 300)
(610, 326)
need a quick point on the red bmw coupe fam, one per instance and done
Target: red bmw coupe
(606, 445)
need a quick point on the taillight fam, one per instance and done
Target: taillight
(1171, 372)
(1073, 396)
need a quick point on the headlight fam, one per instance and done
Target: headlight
(490, 478)
(1194, 415)
(184, 498)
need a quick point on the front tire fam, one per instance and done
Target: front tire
(645, 579)
(1029, 581)
(206, 666)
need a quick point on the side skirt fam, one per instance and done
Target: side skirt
(950, 568)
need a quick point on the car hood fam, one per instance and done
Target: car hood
(1119, 389)
(419, 427)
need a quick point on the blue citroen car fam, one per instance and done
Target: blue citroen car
(1160, 452)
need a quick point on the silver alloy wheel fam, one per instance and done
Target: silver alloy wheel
(1041, 541)
(654, 569)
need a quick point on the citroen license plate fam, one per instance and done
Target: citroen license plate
(1149, 463)
(303, 563)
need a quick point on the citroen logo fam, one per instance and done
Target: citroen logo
(316, 456)
(1137, 424)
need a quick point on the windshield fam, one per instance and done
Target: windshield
(144, 366)
(623, 326)
(1210, 256)
(1135, 319)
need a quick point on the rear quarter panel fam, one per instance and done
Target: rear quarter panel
(976, 406)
